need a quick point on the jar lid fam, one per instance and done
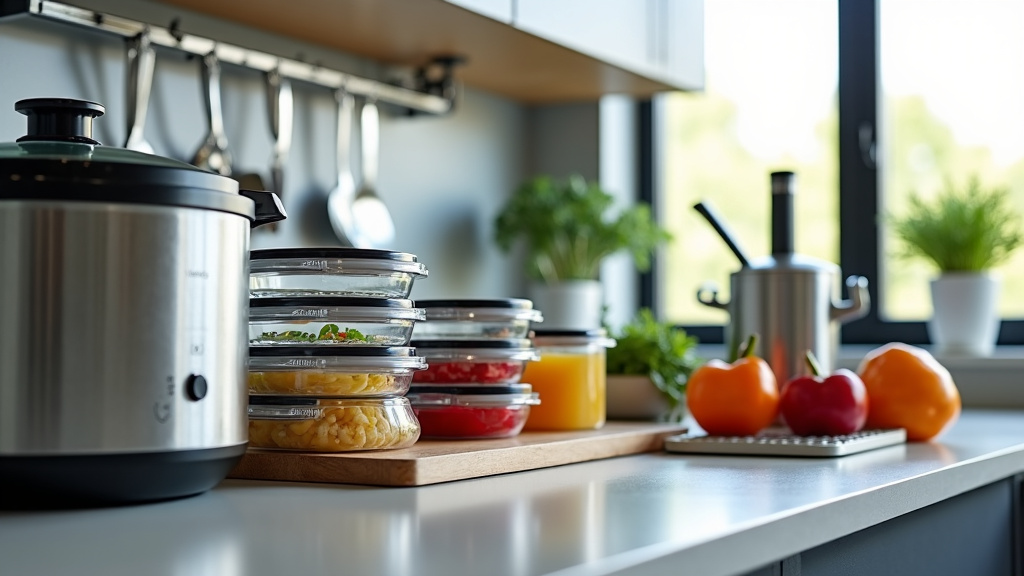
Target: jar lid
(598, 336)
(58, 160)
(593, 333)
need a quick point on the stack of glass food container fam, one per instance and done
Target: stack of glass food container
(476, 351)
(329, 355)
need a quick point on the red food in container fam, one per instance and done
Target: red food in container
(478, 372)
(465, 412)
(474, 361)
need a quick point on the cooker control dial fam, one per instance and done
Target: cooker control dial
(196, 387)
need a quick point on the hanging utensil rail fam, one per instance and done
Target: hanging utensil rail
(198, 46)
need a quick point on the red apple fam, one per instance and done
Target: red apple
(824, 406)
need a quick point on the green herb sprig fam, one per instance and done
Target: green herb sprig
(967, 230)
(568, 229)
(327, 332)
(659, 350)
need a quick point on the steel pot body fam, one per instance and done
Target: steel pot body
(123, 306)
(110, 314)
(793, 304)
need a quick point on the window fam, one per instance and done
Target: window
(951, 108)
(769, 104)
(940, 91)
(866, 100)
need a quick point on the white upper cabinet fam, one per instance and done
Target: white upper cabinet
(532, 51)
(616, 31)
(682, 29)
(658, 38)
(500, 10)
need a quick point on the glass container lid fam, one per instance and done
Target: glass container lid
(477, 350)
(335, 358)
(478, 396)
(496, 310)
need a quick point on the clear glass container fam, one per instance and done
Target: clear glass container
(474, 361)
(331, 425)
(476, 319)
(332, 372)
(331, 321)
(571, 379)
(353, 272)
(464, 412)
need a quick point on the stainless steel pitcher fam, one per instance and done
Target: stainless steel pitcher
(791, 301)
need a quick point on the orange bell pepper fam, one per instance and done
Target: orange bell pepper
(908, 388)
(737, 399)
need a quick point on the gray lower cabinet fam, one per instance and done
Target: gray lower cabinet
(975, 534)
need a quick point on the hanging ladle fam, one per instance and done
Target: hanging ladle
(213, 154)
(279, 108)
(340, 198)
(138, 84)
(718, 224)
(371, 219)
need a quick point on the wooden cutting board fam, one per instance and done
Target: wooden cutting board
(433, 461)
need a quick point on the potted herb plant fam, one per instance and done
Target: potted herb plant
(965, 233)
(568, 228)
(648, 370)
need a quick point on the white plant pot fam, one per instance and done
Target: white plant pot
(570, 305)
(965, 318)
(633, 397)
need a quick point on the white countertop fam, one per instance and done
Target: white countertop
(648, 514)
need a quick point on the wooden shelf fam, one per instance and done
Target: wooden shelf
(500, 58)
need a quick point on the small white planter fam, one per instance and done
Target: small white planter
(633, 397)
(965, 318)
(570, 305)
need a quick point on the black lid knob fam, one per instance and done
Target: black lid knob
(59, 119)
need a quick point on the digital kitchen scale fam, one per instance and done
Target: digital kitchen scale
(782, 442)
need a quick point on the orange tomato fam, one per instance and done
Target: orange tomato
(908, 388)
(737, 399)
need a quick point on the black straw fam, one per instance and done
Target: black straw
(711, 216)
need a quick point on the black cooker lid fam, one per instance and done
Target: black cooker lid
(59, 160)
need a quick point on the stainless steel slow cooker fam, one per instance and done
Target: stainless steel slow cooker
(123, 311)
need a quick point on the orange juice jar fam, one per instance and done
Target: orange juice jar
(569, 378)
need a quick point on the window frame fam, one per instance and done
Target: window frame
(860, 190)
(859, 104)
